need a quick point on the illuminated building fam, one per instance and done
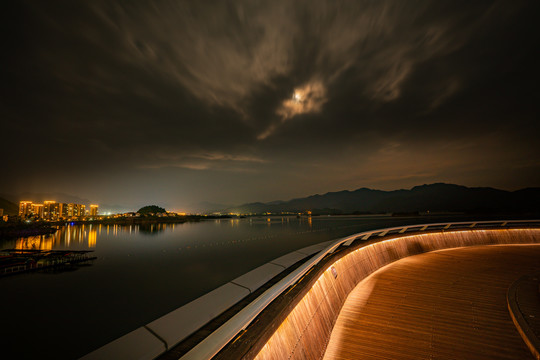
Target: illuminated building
(25, 209)
(93, 210)
(51, 210)
(63, 212)
(37, 210)
(70, 210)
(75, 210)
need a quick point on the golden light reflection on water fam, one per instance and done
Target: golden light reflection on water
(82, 236)
(34, 243)
(92, 238)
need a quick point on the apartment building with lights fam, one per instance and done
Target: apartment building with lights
(51, 210)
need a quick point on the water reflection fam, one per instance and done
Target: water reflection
(80, 237)
(67, 237)
(92, 237)
(156, 273)
(34, 243)
(87, 236)
(151, 229)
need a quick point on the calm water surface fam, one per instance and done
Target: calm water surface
(144, 272)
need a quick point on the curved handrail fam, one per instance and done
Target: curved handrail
(212, 344)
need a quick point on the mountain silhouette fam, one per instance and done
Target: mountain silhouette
(439, 197)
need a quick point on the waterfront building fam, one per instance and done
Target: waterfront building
(37, 210)
(25, 208)
(93, 210)
(75, 210)
(63, 212)
(70, 210)
(51, 210)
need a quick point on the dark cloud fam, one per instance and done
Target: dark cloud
(267, 99)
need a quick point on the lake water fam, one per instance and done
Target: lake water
(144, 272)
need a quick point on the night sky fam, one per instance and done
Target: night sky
(174, 103)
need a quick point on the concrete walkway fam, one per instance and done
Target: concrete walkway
(448, 304)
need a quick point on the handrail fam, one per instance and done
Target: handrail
(212, 344)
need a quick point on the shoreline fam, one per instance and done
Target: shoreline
(12, 230)
(21, 229)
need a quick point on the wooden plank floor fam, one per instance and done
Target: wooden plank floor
(448, 304)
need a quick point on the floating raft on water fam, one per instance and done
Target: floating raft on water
(14, 261)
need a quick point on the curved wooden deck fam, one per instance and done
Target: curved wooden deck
(448, 304)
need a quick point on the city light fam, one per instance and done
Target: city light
(51, 210)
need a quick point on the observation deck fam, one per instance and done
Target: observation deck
(429, 290)
(447, 304)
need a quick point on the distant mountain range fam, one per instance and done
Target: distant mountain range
(437, 197)
(207, 207)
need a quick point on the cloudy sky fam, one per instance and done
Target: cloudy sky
(172, 102)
